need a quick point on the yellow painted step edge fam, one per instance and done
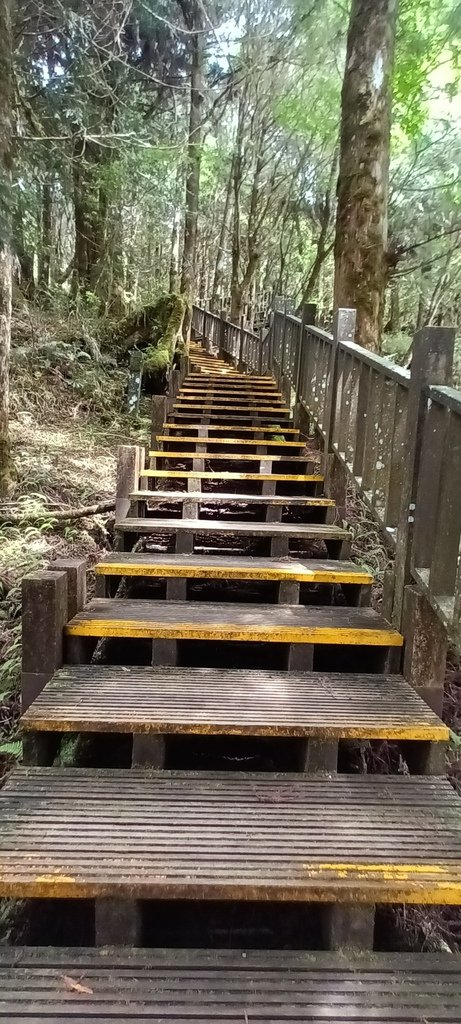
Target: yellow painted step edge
(200, 475)
(228, 440)
(227, 456)
(232, 408)
(298, 575)
(219, 428)
(139, 629)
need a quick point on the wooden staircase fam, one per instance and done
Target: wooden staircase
(238, 617)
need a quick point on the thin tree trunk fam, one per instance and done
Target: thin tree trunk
(46, 241)
(174, 257)
(394, 318)
(194, 18)
(323, 247)
(216, 293)
(361, 223)
(420, 311)
(6, 159)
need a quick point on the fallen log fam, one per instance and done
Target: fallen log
(13, 516)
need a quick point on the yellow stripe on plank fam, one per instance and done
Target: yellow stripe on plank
(139, 629)
(231, 408)
(296, 573)
(231, 456)
(228, 440)
(220, 429)
(200, 475)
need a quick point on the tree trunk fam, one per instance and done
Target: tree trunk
(194, 19)
(323, 247)
(218, 276)
(6, 158)
(420, 311)
(394, 311)
(361, 222)
(46, 241)
(24, 256)
(174, 257)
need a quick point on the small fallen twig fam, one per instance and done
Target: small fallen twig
(14, 516)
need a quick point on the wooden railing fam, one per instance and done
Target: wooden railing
(394, 434)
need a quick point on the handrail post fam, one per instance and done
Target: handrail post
(241, 342)
(308, 318)
(343, 330)
(222, 333)
(432, 363)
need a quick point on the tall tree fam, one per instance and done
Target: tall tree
(6, 117)
(193, 15)
(363, 184)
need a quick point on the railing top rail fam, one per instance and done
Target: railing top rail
(378, 363)
(449, 397)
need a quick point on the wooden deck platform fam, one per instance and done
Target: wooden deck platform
(69, 986)
(93, 698)
(82, 833)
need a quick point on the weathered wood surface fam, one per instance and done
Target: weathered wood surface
(56, 986)
(309, 570)
(177, 474)
(226, 456)
(205, 527)
(141, 834)
(236, 442)
(210, 428)
(257, 622)
(233, 702)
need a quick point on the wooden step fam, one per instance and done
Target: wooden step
(276, 423)
(69, 832)
(233, 567)
(51, 986)
(177, 474)
(228, 456)
(206, 527)
(241, 403)
(202, 620)
(232, 390)
(153, 498)
(236, 442)
(241, 376)
(198, 408)
(94, 698)
(219, 429)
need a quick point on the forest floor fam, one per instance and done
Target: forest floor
(67, 422)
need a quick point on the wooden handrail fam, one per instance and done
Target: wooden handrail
(395, 433)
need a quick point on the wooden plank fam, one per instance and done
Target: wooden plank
(233, 417)
(340, 705)
(223, 475)
(205, 527)
(228, 456)
(232, 567)
(197, 620)
(181, 986)
(218, 428)
(222, 498)
(141, 834)
(235, 441)
(198, 408)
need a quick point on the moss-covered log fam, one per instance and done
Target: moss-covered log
(156, 331)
